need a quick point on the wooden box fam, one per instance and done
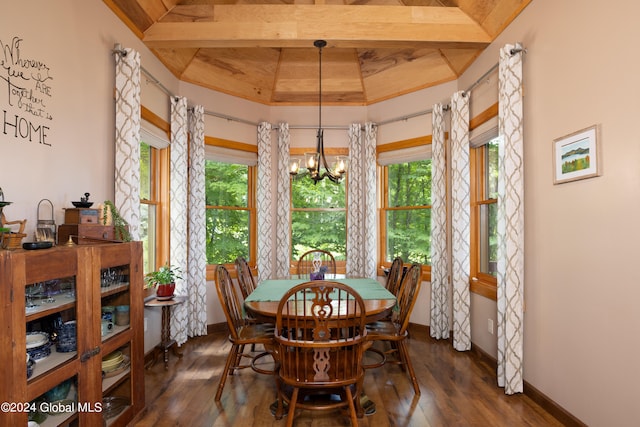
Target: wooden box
(86, 234)
(81, 216)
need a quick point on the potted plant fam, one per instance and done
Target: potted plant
(163, 280)
(111, 216)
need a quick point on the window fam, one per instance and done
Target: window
(154, 173)
(406, 212)
(231, 213)
(405, 203)
(148, 206)
(484, 198)
(319, 218)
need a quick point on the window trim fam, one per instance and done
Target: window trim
(251, 207)
(160, 170)
(383, 191)
(341, 265)
(479, 283)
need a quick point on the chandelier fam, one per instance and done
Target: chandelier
(314, 162)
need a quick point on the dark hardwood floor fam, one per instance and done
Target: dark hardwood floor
(458, 389)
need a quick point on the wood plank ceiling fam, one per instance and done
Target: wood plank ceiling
(262, 50)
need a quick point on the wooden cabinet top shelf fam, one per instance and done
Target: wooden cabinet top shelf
(113, 289)
(49, 306)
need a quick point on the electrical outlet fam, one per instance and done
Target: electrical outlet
(490, 325)
(145, 324)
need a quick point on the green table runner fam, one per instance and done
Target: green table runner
(273, 290)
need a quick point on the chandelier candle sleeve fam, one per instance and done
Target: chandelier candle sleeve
(294, 166)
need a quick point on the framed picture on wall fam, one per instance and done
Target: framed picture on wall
(577, 156)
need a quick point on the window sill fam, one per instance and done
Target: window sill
(486, 287)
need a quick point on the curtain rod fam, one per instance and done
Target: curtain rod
(467, 90)
(157, 82)
(118, 49)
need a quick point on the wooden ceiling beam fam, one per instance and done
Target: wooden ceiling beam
(343, 26)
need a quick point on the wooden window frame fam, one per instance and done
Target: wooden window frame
(160, 161)
(480, 283)
(383, 191)
(251, 207)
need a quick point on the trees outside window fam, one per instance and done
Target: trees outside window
(149, 206)
(318, 217)
(406, 212)
(230, 218)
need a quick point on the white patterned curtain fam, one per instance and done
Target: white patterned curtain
(361, 240)
(460, 221)
(178, 208)
(283, 237)
(510, 221)
(197, 257)
(371, 203)
(127, 139)
(264, 203)
(439, 317)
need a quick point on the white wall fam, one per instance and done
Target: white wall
(581, 323)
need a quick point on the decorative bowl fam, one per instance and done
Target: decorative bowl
(59, 392)
(82, 204)
(113, 405)
(36, 339)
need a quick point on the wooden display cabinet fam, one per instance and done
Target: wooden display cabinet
(86, 234)
(85, 285)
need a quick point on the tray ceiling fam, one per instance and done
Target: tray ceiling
(262, 50)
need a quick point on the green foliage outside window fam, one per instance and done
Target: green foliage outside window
(147, 211)
(318, 217)
(227, 219)
(489, 213)
(145, 171)
(408, 213)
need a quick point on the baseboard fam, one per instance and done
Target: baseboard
(217, 327)
(531, 392)
(211, 329)
(534, 394)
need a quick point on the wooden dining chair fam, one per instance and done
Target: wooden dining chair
(245, 278)
(242, 332)
(394, 330)
(320, 334)
(315, 259)
(395, 275)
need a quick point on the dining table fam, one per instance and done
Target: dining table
(262, 303)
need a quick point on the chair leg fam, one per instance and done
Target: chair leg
(292, 407)
(231, 358)
(352, 409)
(395, 349)
(238, 361)
(280, 399)
(359, 394)
(404, 355)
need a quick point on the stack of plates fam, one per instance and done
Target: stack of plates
(112, 361)
(38, 346)
(30, 365)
